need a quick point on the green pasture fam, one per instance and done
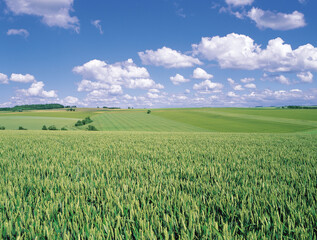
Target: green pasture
(243, 120)
(139, 121)
(232, 120)
(150, 185)
(35, 123)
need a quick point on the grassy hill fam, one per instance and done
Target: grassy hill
(244, 120)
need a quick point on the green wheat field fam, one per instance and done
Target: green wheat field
(201, 173)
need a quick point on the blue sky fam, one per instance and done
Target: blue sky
(158, 53)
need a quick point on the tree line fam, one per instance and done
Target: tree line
(20, 108)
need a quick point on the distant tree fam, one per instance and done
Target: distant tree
(2, 128)
(44, 127)
(52, 128)
(91, 128)
(79, 123)
(22, 128)
(64, 129)
(148, 111)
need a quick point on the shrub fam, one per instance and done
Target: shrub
(2, 128)
(53, 128)
(78, 123)
(22, 128)
(148, 111)
(44, 127)
(91, 128)
(64, 129)
(87, 120)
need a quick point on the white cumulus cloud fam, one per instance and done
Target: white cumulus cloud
(247, 80)
(250, 85)
(3, 79)
(276, 21)
(177, 79)
(70, 100)
(22, 78)
(200, 73)
(239, 2)
(37, 90)
(306, 77)
(104, 80)
(168, 58)
(207, 85)
(53, 12)
(236, 87)
(240, 52)
(21, 32)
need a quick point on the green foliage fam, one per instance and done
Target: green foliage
(87, 120)
(148, 111)
(113, 185)
(91, 128)
(33, 107)
(302, 107)
(21, 128)
(44, 127)
(2, 128)
(52, 128)
(79, 123)
(64, 129)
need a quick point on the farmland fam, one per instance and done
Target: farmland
(172, 120)
(172, 174)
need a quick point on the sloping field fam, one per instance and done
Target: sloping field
(232, 120)
(34, 123)
(147, 185)
(34, 120)
(242, 120)
(208, 120)
(140, 121)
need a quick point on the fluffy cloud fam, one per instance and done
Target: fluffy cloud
(207, 85)
(103, 80)
(306, 77)
(232, 94)
(177, 79)
(3, 79)
(168, 58)
(247, 80)
(240, 52)
(22, 78)
(88, 86)
(250, 85)
(282, 79)
(143, 83)
(53, 12)
(239, 2)
(97, 24)
(276, 78)
(21, 32)
(37, 90)
(236, 87)
(69, 100)
(200, 73)
(276, 21)
(118, 73)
